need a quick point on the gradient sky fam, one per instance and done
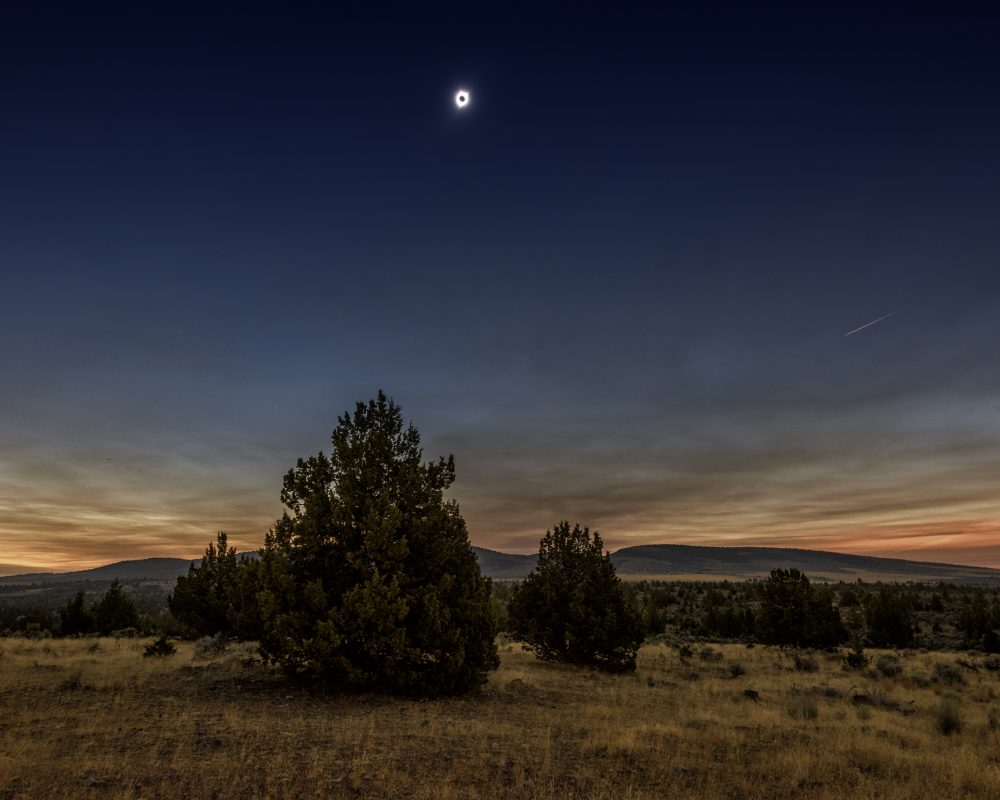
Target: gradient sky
(616, 286)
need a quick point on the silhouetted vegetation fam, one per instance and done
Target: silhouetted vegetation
(979, 621)
(160, 648)
(75, 618)
(793, 612)
(219, 594)
(368, 579)
(888, 614)
(114, 612)
(573, 608)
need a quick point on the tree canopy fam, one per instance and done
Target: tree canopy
(572, 607)
(114, 612)
(368, 579)
(218, 595)
(793, 612)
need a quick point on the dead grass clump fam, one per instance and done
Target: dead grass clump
(73, 683)
(803, 708)
(889, 666)
(876, 698)
(856, 658)
(805, 663)
(161, 648)
(949, 716)
(993, 719)
(210, 647)
(947, 674)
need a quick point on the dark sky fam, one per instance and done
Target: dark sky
(615, 286)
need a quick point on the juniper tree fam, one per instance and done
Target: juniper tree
(200, 599)
(368, 579)
(218, 595)
(572, 607)
(793, 612)
(115, 611)
(888, 614)
(75, 618)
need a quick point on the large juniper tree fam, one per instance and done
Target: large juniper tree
(572, 606)
(368, 579)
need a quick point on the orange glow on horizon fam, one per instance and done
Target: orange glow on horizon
(973, 542)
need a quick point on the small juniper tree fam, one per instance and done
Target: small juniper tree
(75, 618)
(572, 607)
(368, 579)
(218, 595)
(888, 615)
(792, 612)
(115, 611)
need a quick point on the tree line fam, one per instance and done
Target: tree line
(368, 581)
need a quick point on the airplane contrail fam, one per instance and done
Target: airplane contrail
(873, 322)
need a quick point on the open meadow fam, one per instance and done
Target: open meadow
(84, 718)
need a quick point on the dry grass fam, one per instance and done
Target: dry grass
(112, 724)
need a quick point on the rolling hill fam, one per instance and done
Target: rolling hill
(664, 561)
(754, 562)
(143, 569)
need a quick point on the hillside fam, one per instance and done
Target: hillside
(495, 564)
(652, 560)
(750, 562)
(143, 569)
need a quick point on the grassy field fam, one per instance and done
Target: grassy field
(93, 718)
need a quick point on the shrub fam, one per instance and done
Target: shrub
(856, 658)
(889, 666)
(709, 654)
(804, 663)
(949, 716)
(802, 708)
(159, 649)
(736, 669)
(947, 674)
(993, 719)
(73, 683)
(210, 646)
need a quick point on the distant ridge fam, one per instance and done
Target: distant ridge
(750, 562)
(142, 569)
(652, 560)
(495, 564)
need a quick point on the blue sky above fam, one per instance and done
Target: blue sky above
(616, 286)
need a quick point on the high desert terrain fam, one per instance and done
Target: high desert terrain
(95, 718)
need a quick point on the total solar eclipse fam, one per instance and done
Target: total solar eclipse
(462, 98)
